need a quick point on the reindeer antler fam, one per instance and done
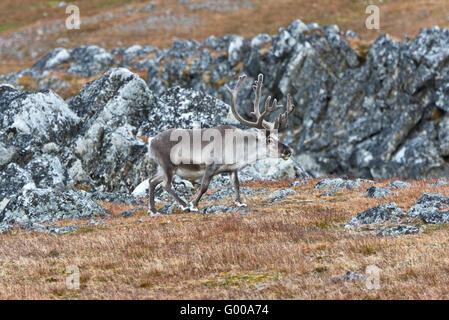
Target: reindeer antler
(279, 124)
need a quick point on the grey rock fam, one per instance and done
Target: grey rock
(298, 183)
(273, 169)
(433, 215)
(228, 192)
(220, 5)
(107, 150)
(384, 212)
(297, 28)
(4, 227)
(95, 223)
(167, 209)
(336, 184)
(376, 192)
(32, 226)
(181, 108)
(237, 47)
(47, 171)
(129, 212)
(352, 276)
(398, 231)
(218, 209)
(439, 199)
(260, 40)
(116, 197)
(279, 195)
(365, 181)
(328, 183)
(90, 60)
(428, 202)
(439, 183)
(327, 194)
(53, 59)
(29, 120)
(63, 230)
(397, 184)
(370, 116)
(43, 205)
(13, 180)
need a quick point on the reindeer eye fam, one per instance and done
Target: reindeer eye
(269, 140)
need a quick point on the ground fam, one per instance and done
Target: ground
(119, 23)
(297, 248)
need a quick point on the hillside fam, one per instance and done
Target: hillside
(26, 34)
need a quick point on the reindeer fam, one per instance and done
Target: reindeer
(196, 164)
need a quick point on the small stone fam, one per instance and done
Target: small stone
(439, 183)
(297, 183)
(279, 195)
(397, 184)
(167, 209)
(376, 192)
(352, 276)
(128, 213)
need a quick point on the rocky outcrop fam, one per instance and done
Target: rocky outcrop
(378, 114)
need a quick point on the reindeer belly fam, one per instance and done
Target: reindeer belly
(190, 171)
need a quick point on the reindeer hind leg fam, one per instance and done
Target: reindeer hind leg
(154, 182)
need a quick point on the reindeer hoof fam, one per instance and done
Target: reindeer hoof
(241, 204)
(193, 208)
(189, 208)
(152, 212)
(184, 208)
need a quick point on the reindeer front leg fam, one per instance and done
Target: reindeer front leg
(235, 181)
(207, 177)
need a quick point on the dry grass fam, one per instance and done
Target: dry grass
(297, 248)
(266, 16)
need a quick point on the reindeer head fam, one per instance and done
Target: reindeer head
(268, 130)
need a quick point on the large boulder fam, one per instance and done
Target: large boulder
(33, 195)
(45, 205)
(108, 149)
(381, 213)
(32, 123)
(428, 207)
